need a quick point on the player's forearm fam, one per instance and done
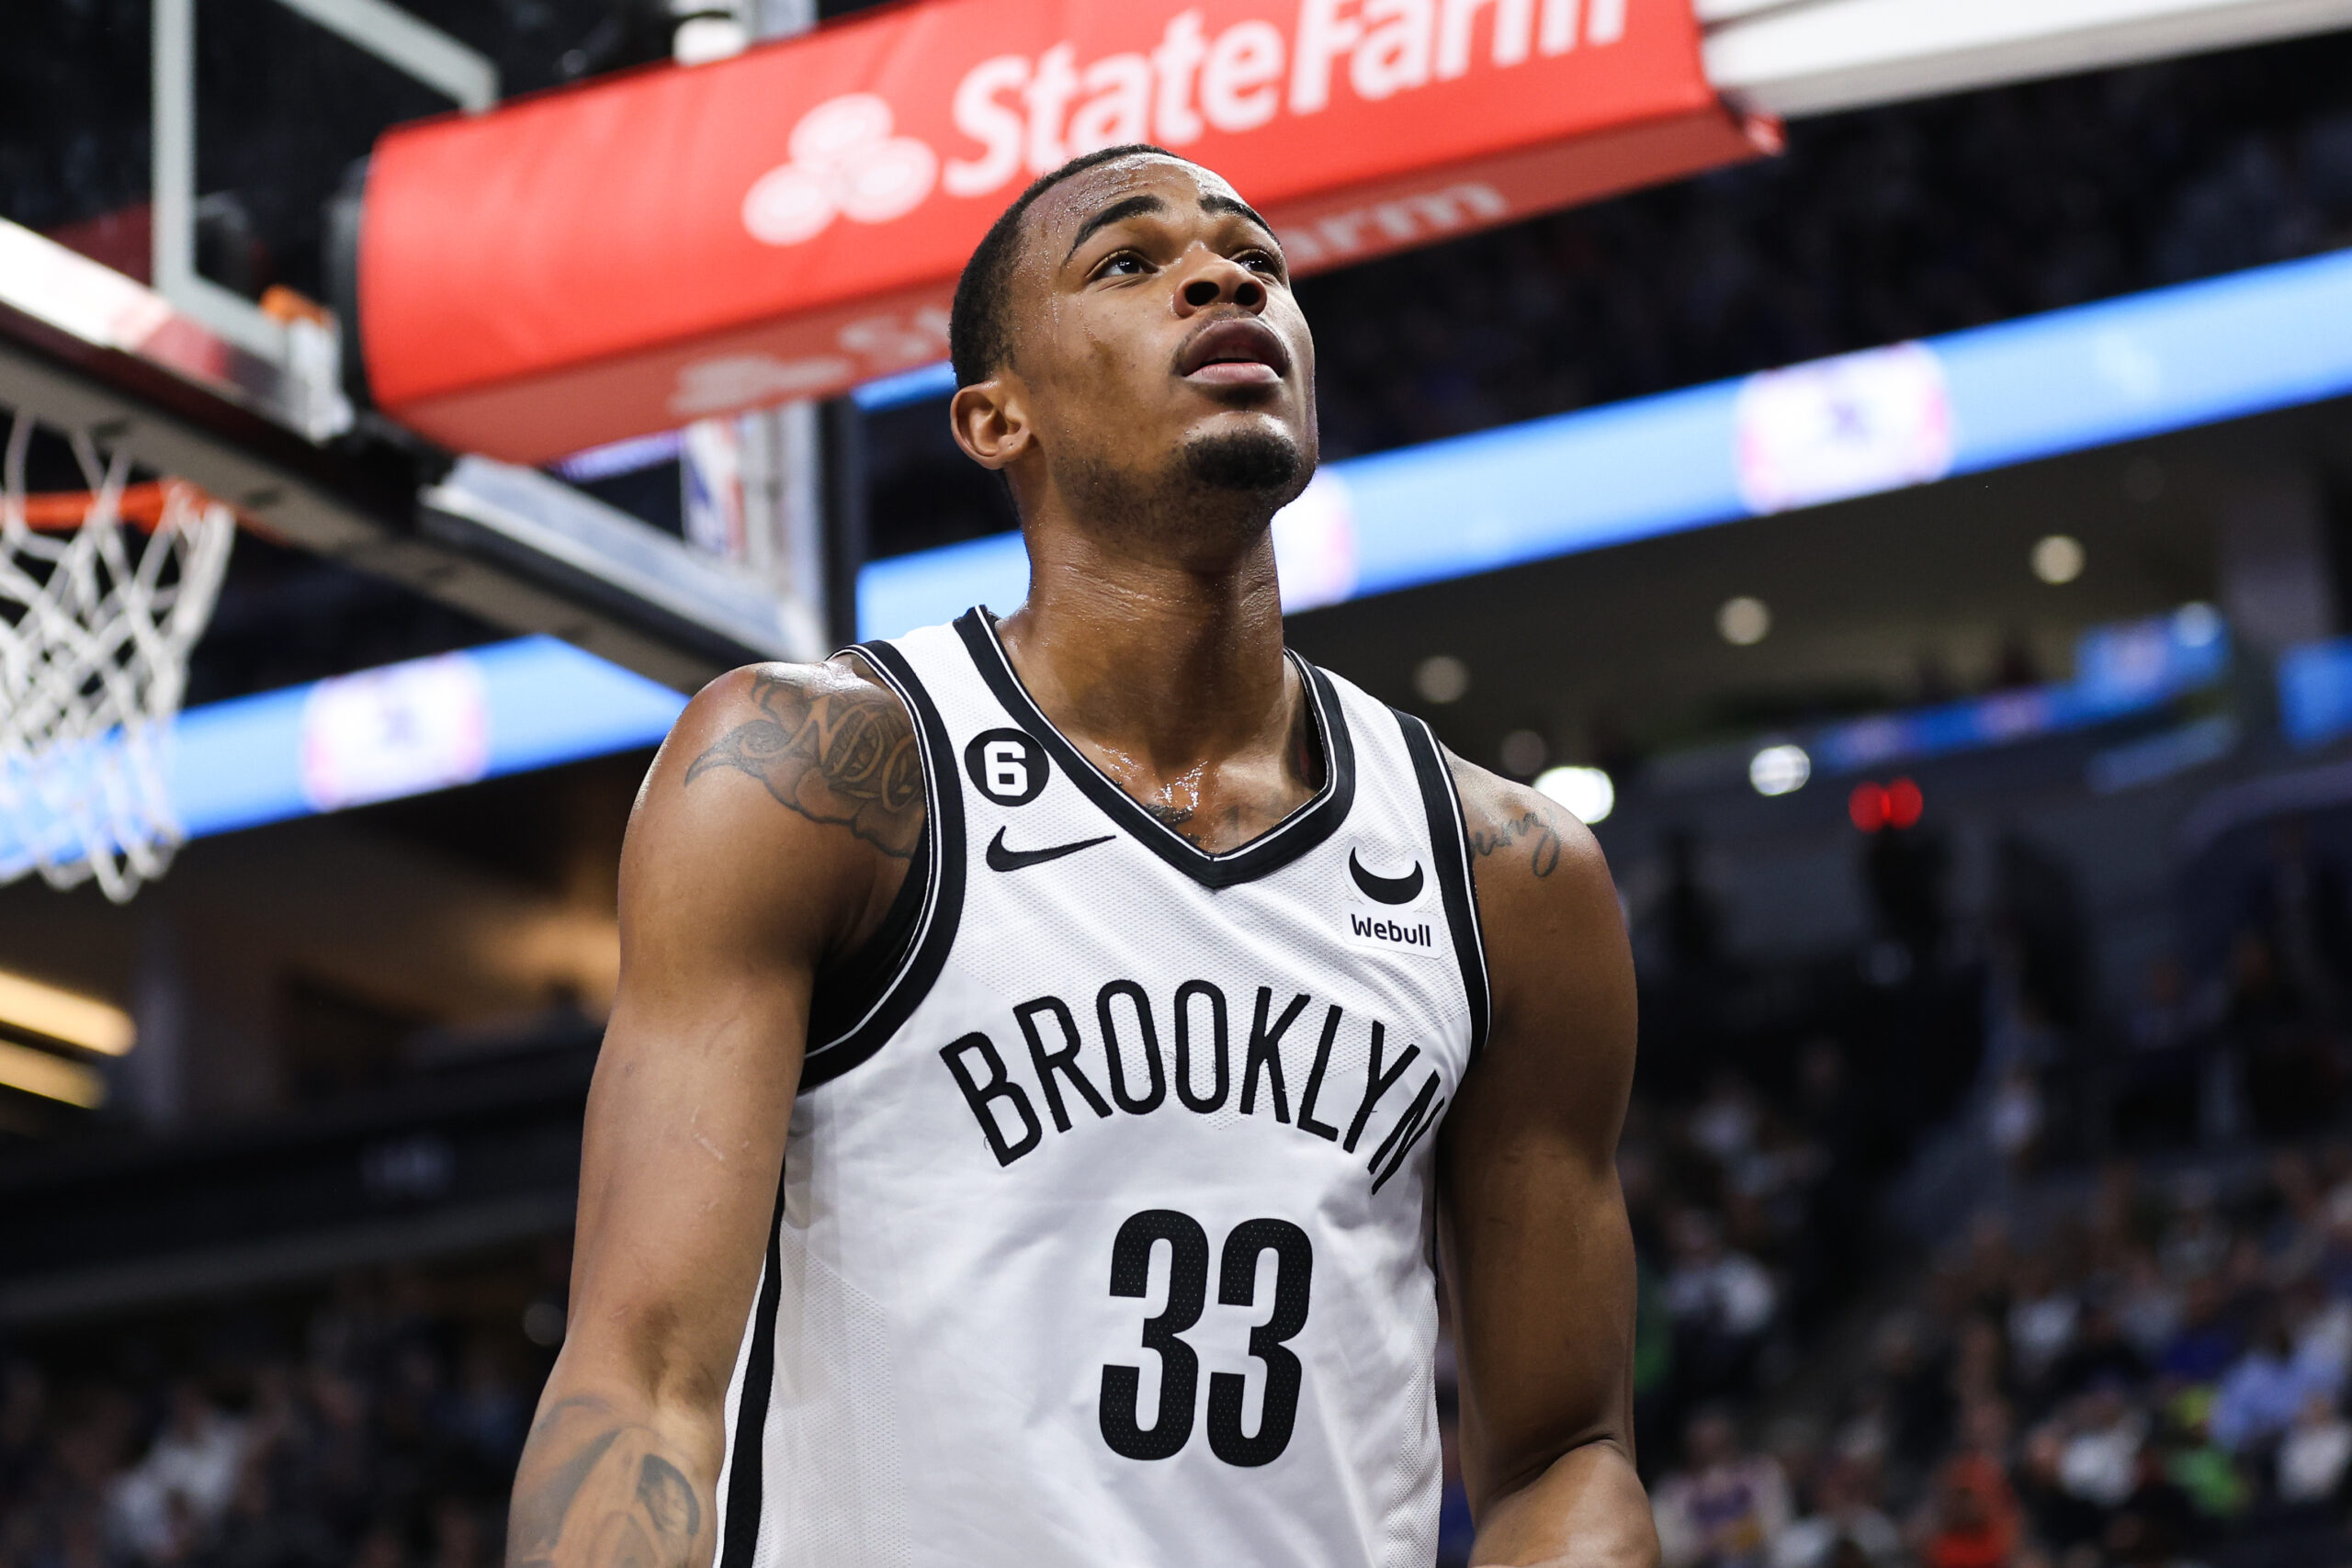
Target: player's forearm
(1587, 1509)
(608, 1481)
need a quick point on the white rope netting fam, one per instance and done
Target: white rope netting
(99, 609)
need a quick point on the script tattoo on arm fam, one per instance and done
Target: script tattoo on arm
(609, 1502)
(1534, 828)
(839, 751)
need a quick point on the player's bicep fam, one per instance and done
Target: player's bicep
(1539, 1257)
(734, 886)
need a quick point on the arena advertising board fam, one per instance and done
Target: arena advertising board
(602, 261)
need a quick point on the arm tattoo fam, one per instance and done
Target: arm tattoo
(1531, 828)
(587, 1512)
(663, 1492)
(841, 751)
(538, 1515)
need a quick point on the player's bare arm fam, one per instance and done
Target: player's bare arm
(1539, 1258)
(772, 832)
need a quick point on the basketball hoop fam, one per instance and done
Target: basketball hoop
(103, 593)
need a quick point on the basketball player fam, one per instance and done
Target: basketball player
(1051, 1051)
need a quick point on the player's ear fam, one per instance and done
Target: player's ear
(990, 420)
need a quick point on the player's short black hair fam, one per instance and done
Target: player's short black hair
(979, 333)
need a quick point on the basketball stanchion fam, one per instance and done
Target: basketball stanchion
(103, 592)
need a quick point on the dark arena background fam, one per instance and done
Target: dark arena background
(1909, 517)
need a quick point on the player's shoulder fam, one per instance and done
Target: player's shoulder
(1524, 845)
(828, 742)
(1556, 946)
(750, 690)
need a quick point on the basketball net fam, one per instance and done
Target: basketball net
(103, 594)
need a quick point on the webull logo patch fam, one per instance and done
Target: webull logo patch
(1385, 931)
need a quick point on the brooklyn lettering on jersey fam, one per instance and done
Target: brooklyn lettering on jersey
(1046, 1070)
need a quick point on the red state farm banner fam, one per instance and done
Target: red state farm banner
(630, 255)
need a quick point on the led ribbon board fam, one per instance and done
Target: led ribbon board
(405, 729)
(431, 724)
(1831, 429)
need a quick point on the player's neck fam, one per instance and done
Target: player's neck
(1173, 666)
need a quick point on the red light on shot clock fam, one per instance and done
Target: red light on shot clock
(1903, 804)
(1875, 806)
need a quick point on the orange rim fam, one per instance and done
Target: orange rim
(62, 511)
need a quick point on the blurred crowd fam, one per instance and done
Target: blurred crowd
(378, 1431)
(2152, 1374)
(1876, 227)
(2131, 1346)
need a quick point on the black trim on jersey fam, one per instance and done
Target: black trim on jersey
(943, 881)
(1269, 851)
(1450, 846)
(852, 989)
(738, 1533)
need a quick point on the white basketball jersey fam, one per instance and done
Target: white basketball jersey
(1104, 1232)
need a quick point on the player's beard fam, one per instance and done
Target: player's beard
(1211, 499)
(1259, 462)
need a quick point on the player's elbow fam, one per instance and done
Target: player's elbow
(646, 1355)
(1580, 1506)
(1530, 1465)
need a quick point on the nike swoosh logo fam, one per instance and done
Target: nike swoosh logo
(1001, 859)
(1385, 889)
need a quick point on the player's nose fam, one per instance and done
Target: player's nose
(1219, 280)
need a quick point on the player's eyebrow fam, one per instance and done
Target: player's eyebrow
(1137, 206)
(1240, 209)
(1117, 212)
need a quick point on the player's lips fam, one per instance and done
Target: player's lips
(1236, 351)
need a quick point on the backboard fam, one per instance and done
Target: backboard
(176, 236)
